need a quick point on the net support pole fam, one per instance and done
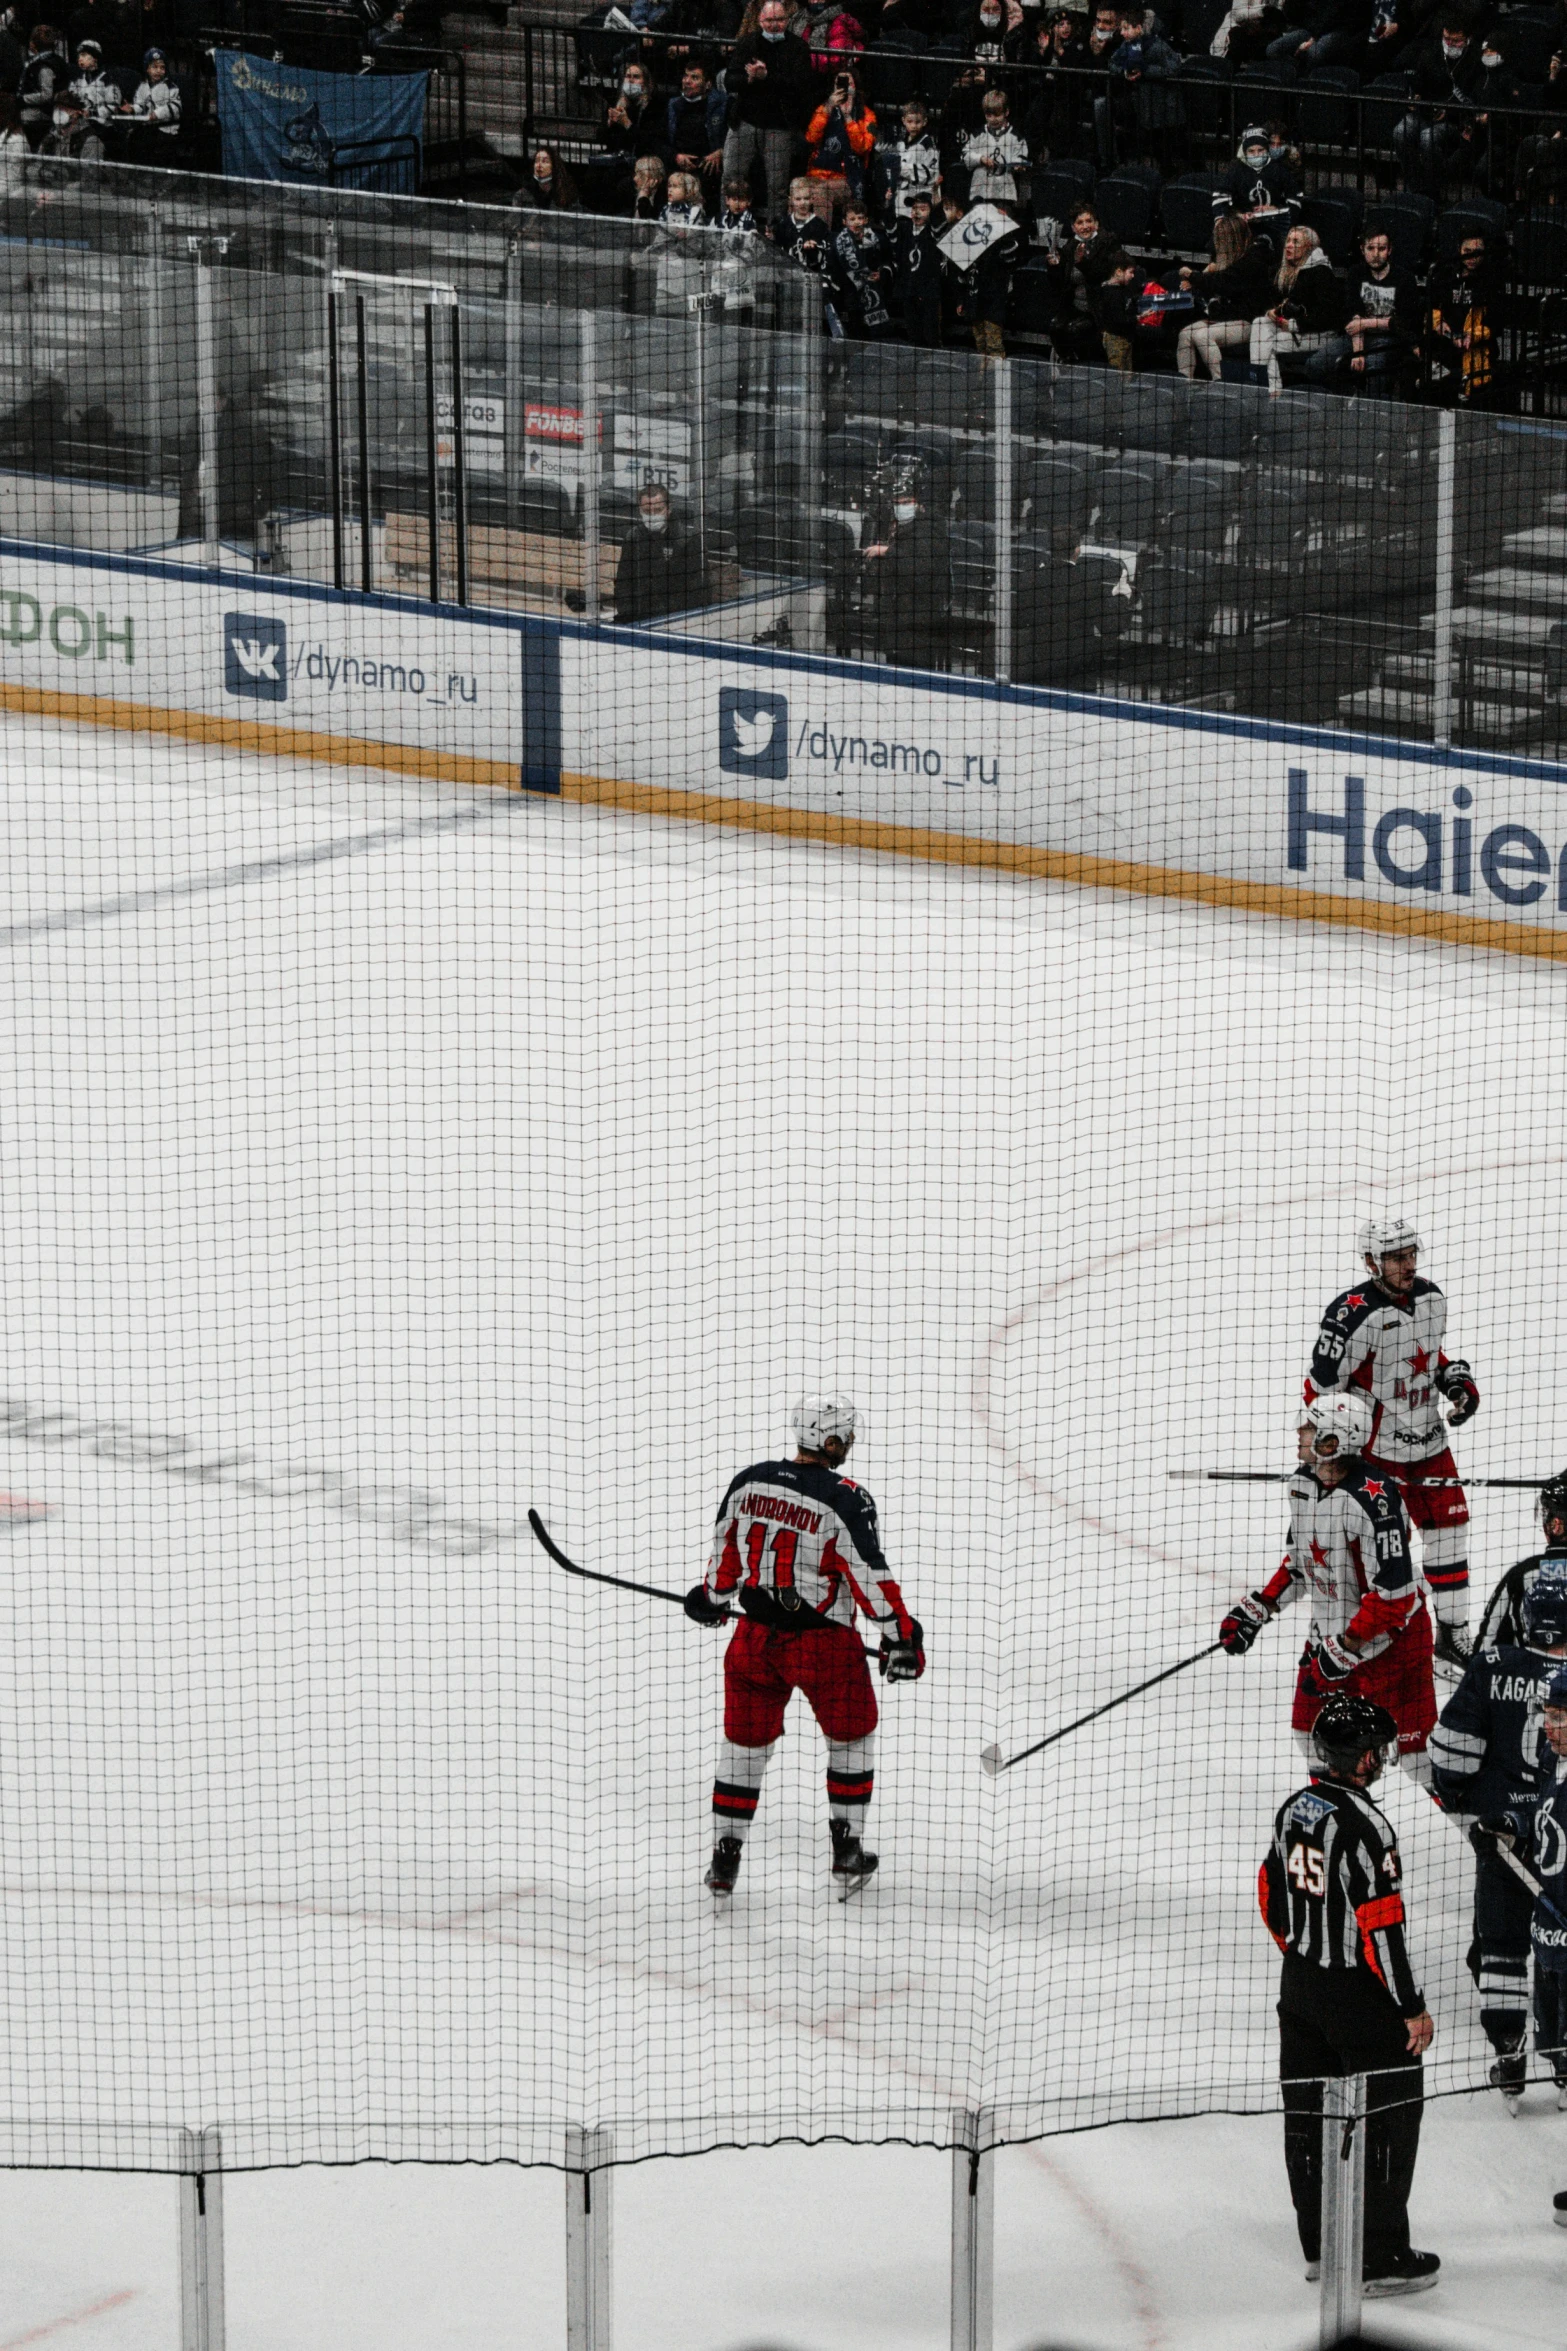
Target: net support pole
(973, 2233)
(589, 2205)
(1343, 2206)
(1442, 627)
(1001, 395)
(204, 251)
(588, 404)
(201, 2241)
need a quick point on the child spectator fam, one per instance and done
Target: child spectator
(45, 74)
(737, 219)
(801, 233)
(996, 157)
(98, 97)
(157, 99)
(858, 274)
(683, 208)
(911, 161)
(916, 265)
(1263, 185)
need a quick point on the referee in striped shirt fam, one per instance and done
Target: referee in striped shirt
(1348, 2000)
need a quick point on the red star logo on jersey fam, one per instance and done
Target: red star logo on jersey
(1420, 1361)
(1375, 1488)
(1318, 1554)
(1356, 1298)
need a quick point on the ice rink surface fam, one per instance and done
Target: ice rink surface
(379, 1162)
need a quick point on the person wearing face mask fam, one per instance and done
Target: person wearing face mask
(1433, 140)
(623, 132)
(770, 103)
(694, 124)
(907, 583)
(1263, 186)
(1495, 149)
(548, 185)
(660, 569)
(986, 33)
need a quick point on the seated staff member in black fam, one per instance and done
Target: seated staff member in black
(1348, 1999)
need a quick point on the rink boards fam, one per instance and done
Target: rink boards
(1288, 821)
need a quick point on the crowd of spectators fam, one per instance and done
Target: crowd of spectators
(1039, 197)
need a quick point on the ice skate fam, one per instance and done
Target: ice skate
(724, 1867)
(852, 1866)
(1409, 2272)
(1510, 2075)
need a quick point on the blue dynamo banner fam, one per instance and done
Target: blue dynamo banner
(283, 122)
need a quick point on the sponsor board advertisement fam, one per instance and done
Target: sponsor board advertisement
(1247, 813)
(1165, 793)
(471, 699)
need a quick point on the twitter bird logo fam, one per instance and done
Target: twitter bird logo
(753, 733)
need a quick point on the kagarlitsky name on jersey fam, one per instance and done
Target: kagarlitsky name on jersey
(1452, 850)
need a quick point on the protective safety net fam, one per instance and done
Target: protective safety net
(503, 1001)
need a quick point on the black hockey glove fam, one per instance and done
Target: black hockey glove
(1244, 1622)
(900, 1660)
(1501, 1829)
(1456, 1382)
(1333, 1662)
(703, 1610)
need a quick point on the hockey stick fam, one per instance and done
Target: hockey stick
(994, 1762)
(1519, 1868)
(1281, 1477)
(620, 1582)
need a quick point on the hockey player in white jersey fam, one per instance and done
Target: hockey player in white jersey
(1384, 1338)
(797, 1550)
(1349, 1550)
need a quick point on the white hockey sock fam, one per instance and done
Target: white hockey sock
(850, 1778)
(738, 1787)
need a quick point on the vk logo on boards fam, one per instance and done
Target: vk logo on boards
(753, 733)
(255, 656)
(1452, 850)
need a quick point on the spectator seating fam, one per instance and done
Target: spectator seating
(1476, 213)
(1061, 187)
(1186, 208)
(1125, 201)
(1407, 219)
(1325, 108)
(1335, 214)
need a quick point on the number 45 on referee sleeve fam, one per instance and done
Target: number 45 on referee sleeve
(1305, 1866)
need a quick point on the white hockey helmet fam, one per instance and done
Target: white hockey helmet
(1345, 1415)
(816, 1418)
(1382, 1235)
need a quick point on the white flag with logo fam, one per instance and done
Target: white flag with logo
(974, 234)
